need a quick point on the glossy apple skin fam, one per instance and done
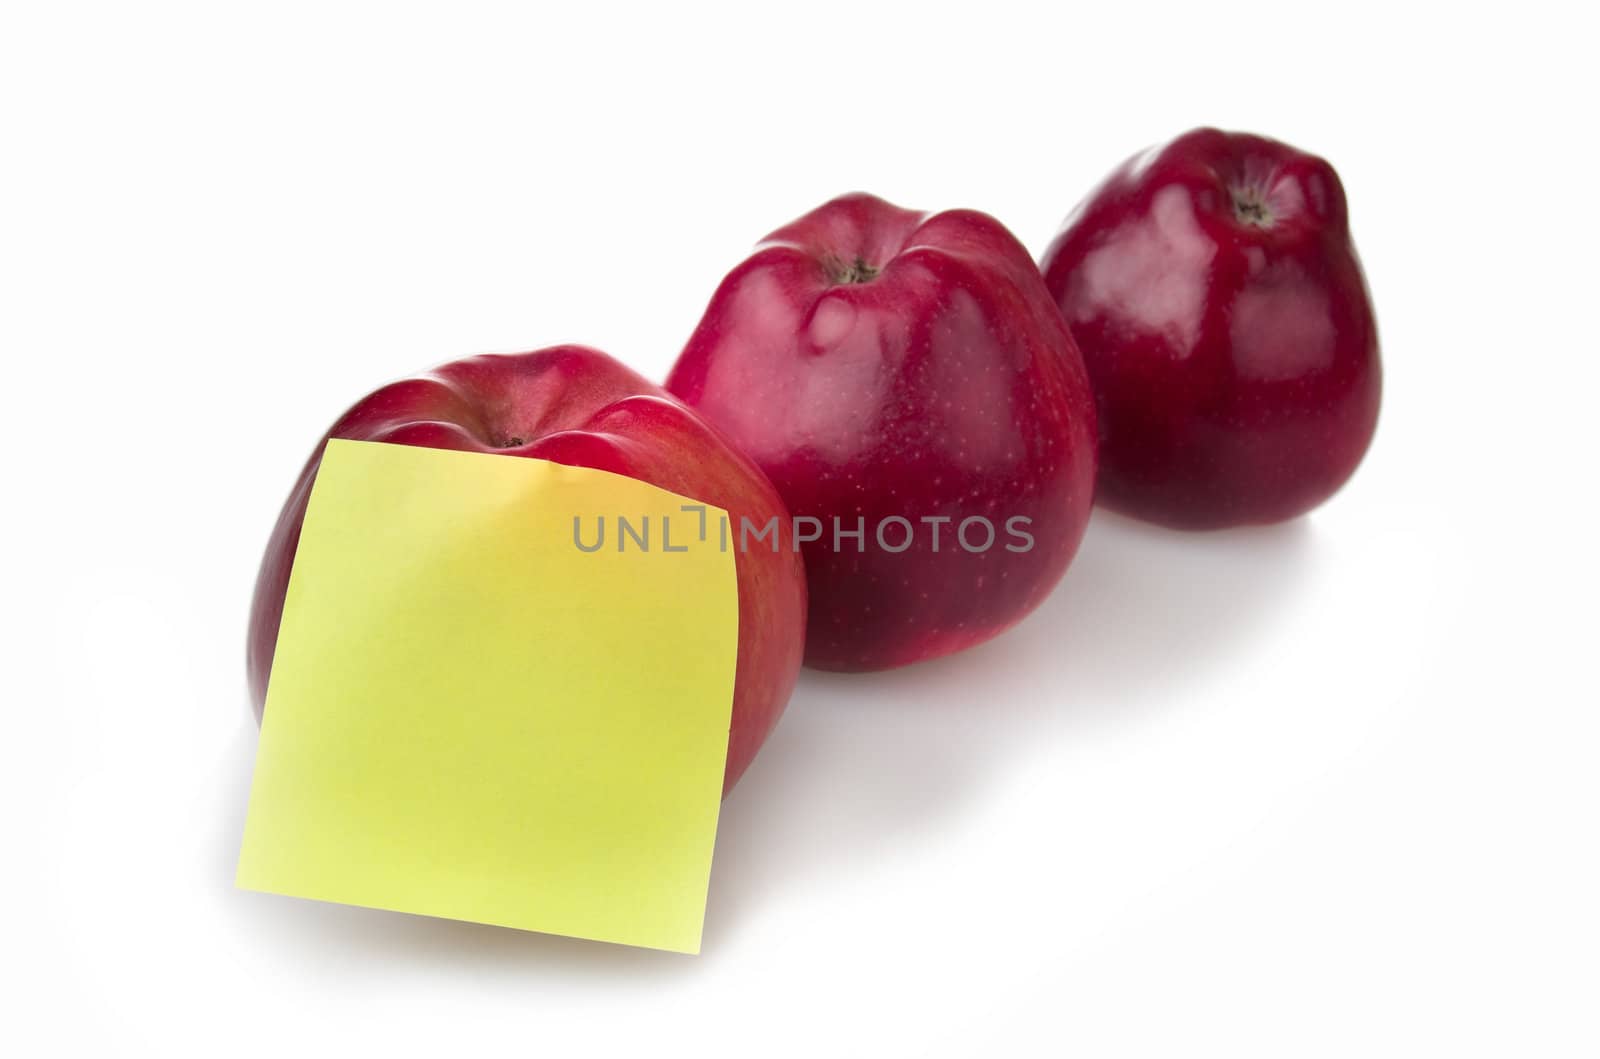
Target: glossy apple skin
(874, 362)
(1226, 325)
(576, 406)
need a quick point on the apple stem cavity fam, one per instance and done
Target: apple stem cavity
(857, 271)
(1250, 207)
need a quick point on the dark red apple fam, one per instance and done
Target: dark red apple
(1226, 325)
(904, 376)
(577, 406)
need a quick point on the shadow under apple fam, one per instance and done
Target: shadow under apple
(861, 760)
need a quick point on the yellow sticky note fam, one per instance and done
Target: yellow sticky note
(472, 717)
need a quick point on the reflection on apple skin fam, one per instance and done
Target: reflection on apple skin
(1227, 329)
(576, 406)
(881, 363)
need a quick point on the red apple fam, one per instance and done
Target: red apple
(906, 376)
(579, 407)
(1226, 325)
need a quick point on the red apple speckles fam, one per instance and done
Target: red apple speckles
(1226, 327)
(884, 365)
(577, 406)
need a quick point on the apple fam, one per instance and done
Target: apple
(1225, 321)
(577, 406)
(907, 383)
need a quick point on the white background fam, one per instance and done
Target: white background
(1324, 789)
